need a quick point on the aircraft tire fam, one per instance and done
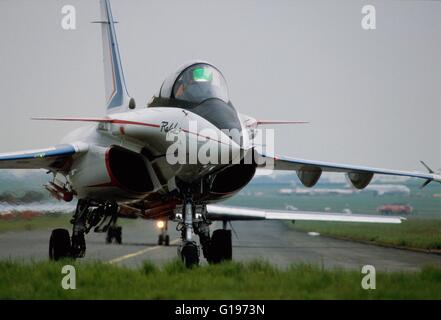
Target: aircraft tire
(190, 254)
(114, 233)
(118, 235)
(110, 235)
(59, 244)
(167, 240)
(160, 240)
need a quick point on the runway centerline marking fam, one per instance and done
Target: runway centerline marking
(138, 253)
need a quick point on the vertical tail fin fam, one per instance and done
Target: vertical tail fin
(117, 97)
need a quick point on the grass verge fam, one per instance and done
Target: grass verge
(252, 280)
(413, 233)
(52, 220)
(46, 221)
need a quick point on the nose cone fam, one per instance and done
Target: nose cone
(223, 116)
(230, 151)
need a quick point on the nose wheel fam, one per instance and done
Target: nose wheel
(221, 248)
(190, 254)
(218, 247)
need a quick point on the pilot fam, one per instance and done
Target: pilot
(180, 91)
(182, 84)
(194, 85)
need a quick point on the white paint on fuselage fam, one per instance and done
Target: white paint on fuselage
(138, 129)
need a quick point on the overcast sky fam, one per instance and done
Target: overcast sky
(372, 97)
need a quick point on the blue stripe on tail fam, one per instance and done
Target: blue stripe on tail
(119, 96)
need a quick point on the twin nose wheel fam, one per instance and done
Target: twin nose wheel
(189, 254)
(219, 249)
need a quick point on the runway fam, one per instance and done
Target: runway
(273, 241)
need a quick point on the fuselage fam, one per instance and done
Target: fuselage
(138, 145)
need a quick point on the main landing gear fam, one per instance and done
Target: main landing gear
(103, 216)
(163, 238)
(59, 244)
(114, 233)
(88, 214)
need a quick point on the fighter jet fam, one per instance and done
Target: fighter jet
(124, 164)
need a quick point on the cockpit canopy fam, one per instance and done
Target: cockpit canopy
(199, 87)
(195, 83)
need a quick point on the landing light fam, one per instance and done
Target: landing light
(160, 224)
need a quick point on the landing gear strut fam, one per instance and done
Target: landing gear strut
(189, 250)
(78, 244)
(202, 229)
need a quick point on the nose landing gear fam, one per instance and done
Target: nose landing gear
(215, 249)
(190, 254)
(189, 250)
